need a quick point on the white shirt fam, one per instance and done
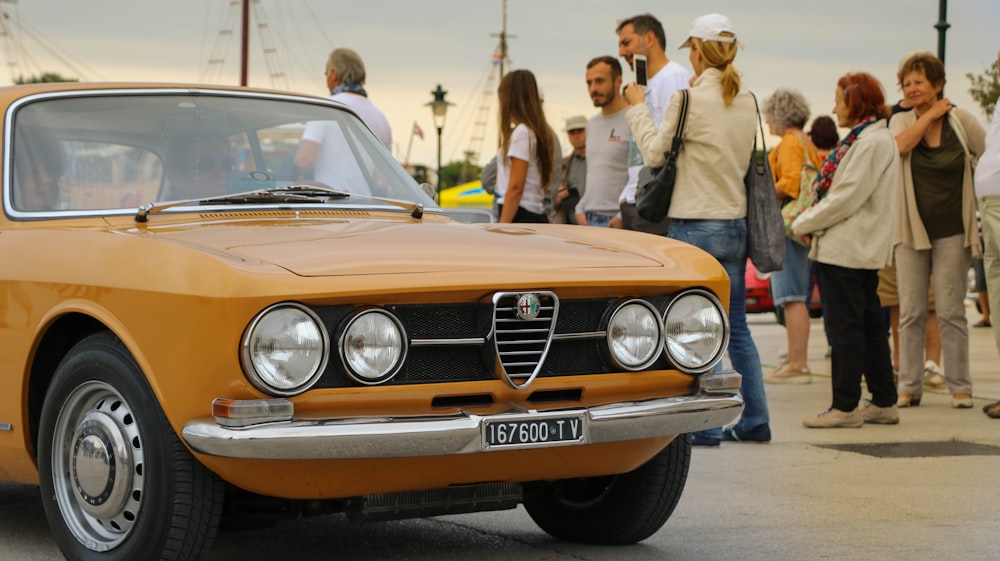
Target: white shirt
(659, 90)
(335, 165)
(522, 147)
(988, 170)
(371, 115)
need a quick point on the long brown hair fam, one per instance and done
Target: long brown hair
(521, 103)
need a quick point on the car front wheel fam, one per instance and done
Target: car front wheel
(116, 481)
(617, 509)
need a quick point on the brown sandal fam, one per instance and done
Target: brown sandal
(992, 410)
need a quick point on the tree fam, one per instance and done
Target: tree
(457, 173)
(985, 88)
(44, 78)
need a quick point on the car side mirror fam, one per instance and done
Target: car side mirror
(431, 191)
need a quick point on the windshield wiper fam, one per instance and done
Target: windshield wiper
(296, 193)
(284, 194)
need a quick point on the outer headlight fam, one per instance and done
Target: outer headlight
(372, 346)
(634, 335)
(285, 349)
(696, 331)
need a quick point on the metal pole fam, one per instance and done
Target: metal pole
(245, 42)
(942, 26)
(439, 159)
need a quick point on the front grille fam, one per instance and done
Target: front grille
(522, 340)
(486, 340)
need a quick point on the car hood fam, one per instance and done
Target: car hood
(315, 248)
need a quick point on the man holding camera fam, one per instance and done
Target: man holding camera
(643, 36)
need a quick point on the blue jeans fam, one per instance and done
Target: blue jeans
(726, 240)
(598, 220)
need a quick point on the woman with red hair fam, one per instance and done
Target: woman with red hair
(851, 228)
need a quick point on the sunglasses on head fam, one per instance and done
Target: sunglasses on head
(212, 163)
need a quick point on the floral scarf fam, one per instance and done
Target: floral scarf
(825, 177)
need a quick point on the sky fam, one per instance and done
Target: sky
(410, 47)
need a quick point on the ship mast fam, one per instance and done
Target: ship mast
(244, 42)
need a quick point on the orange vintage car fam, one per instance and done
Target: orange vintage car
(189, 328)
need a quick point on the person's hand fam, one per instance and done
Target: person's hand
(634, 94)
(615, 222)
(561, 194)
(940, 108)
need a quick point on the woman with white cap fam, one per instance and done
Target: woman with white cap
(709, 204)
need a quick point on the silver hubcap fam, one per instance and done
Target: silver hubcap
(98, 465)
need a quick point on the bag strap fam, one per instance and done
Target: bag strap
(806, 162)
(760, 125)
(675, 146)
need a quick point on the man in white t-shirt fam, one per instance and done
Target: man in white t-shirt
(323, 149)
(644, 35)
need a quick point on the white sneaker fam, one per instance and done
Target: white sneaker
(834, 418)
(933, 376)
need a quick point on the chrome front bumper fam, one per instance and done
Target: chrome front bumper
(717, 403)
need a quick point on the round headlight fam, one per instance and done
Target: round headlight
(634, 335)
(696, 331)
(372, 346)
(285, 350)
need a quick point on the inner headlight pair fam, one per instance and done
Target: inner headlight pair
(287, 347)
(693, 331)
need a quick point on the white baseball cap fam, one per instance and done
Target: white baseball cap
(710, 27)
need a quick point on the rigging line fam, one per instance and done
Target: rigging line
(471, 105)
(216, 64)
(305, 62)
(54, 51)
(9, 45)
(272, 60)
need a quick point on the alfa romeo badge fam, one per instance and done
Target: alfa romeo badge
(528, 306)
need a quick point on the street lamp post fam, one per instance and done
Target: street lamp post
(942, 26)
(440, 108)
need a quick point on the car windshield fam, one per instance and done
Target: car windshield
(89, 154)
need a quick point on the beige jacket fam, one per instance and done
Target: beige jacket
(852, 224)
(909, 228)
(718, 139)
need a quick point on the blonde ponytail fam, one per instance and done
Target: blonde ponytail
(720, 56)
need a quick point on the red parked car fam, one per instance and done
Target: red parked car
(759, 298)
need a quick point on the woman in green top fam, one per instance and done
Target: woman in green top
(936, 231)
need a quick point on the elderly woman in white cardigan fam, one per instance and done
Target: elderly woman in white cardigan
(851, 231)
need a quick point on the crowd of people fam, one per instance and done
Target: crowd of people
(897, 197)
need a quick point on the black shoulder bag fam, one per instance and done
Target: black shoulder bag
(652, 199)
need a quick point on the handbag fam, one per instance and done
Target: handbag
(765, 229)
(652, 199)
(806, 198)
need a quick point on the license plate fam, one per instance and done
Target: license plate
(533, 432)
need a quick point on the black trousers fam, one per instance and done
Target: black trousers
(525, 216)
(858, 337)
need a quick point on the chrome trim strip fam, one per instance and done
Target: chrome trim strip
(462, 433)
(582, 335)
(435, 342)
(6, 427)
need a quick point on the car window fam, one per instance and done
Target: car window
(86, 153)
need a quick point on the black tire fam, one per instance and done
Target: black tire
(117, 484)
(613, 510)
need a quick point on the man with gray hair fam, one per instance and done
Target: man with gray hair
(345, 76)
